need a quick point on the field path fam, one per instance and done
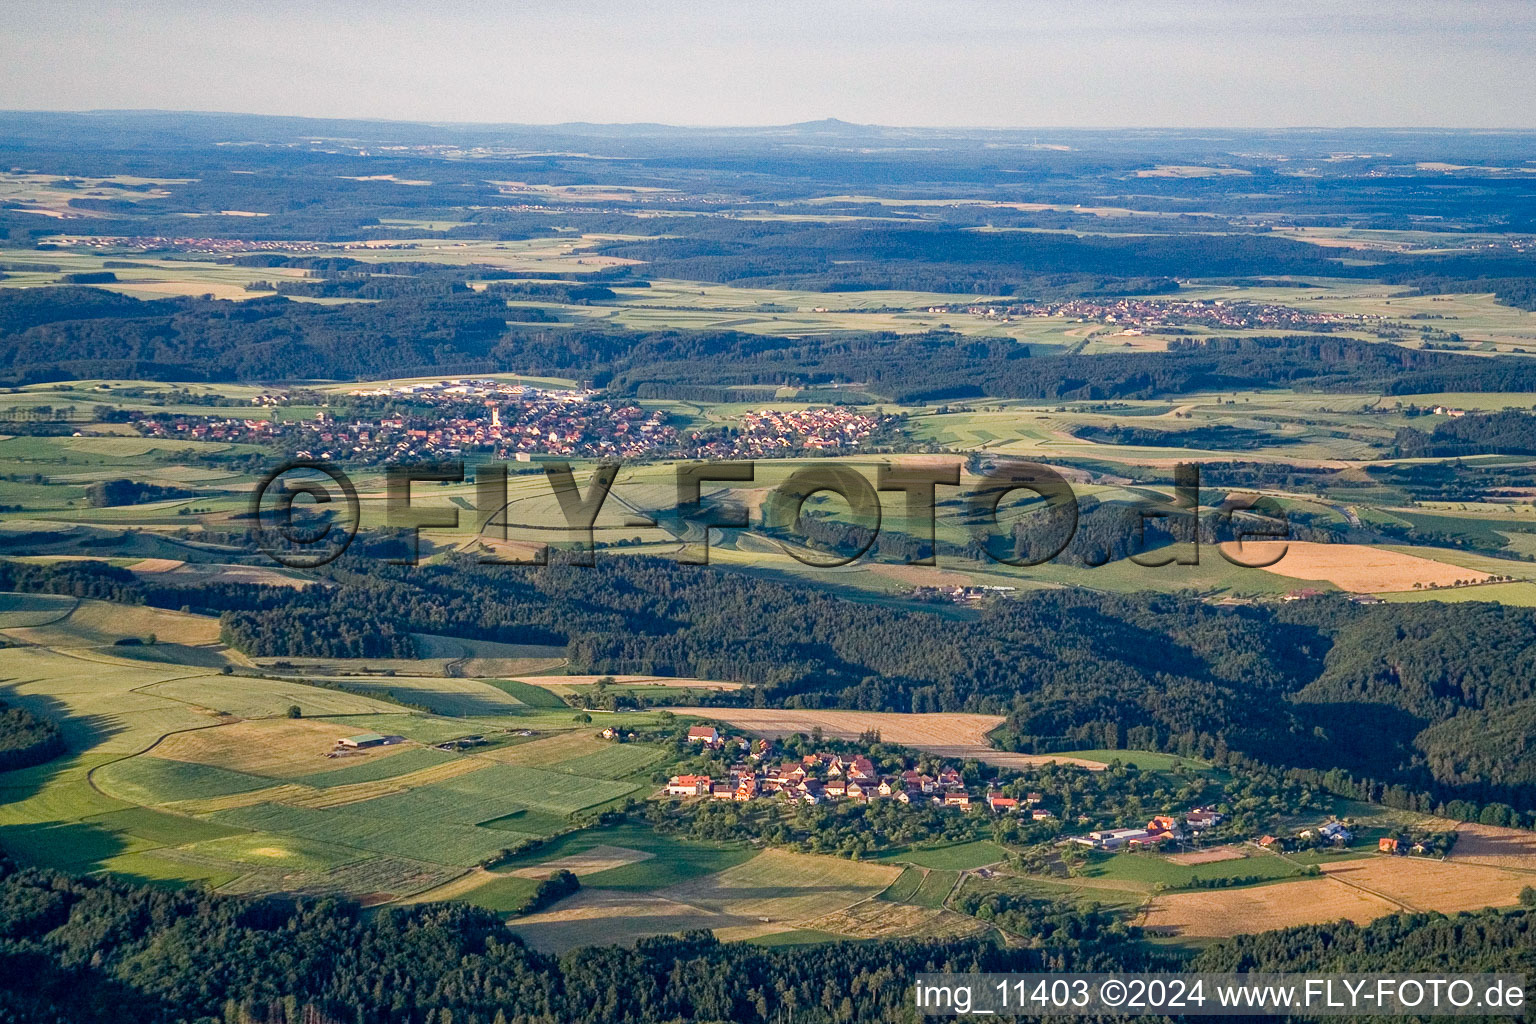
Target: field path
(953, 735)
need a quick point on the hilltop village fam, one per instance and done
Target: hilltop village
(829, 778)
(510, 421)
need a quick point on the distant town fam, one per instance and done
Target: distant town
(1136, 315)
(441, 419)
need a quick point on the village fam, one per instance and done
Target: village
(446, 419)
(827, 778)
(822, 778)
(1137, 315)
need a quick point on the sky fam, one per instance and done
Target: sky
(994, 63)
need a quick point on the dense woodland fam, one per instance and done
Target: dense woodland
(1380, 701)
(27, 739)
(436, 326)
(79, 950)
(1501, 433)
(83, 950)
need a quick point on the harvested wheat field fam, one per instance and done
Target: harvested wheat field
(1221, 913)
(1498, 847)
(454, 888)
(549, 750)
(877, 919)
(612, 917)
(587, 862)
(278, 747)
(101, 624)
(952, 735)
(1211, 856)
(156, 565)
(1360, 568)
(563, 683)
(920, 575)
(357, 792)
(1420, 883)
(777, 885)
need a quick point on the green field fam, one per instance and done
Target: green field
(959, 857)
(438, 842)
(617, 762)
(674, 859)
(372, 771)
(527, 693)
(1147, 760)
(1151, 870)
(504, 894)
(154, 780)
(935, 888)
(905, 887)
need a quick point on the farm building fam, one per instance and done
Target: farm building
(367, 739)
(688, 785)
(1112, 839)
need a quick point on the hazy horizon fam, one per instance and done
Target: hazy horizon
(979, 64)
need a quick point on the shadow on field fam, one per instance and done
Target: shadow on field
(73, 845)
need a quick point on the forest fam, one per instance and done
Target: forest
(27, 739)
(80, 950)
(433, 324)
(86, 950)
(1385, 698)
(1503, 433)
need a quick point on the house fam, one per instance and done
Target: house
(1270, 842)
(722, 791)
(950, 779)
(688, 785)
(835, 788)
(861, 790)
(610, 733)
(1163, 823)
(746, 787)
(1040, 814)
(706, 734)
(957, 798)
(1031, 799)
(1335, 832)
(1002, 804)
(911, 780)
(1201, 818)
(1388, 845)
